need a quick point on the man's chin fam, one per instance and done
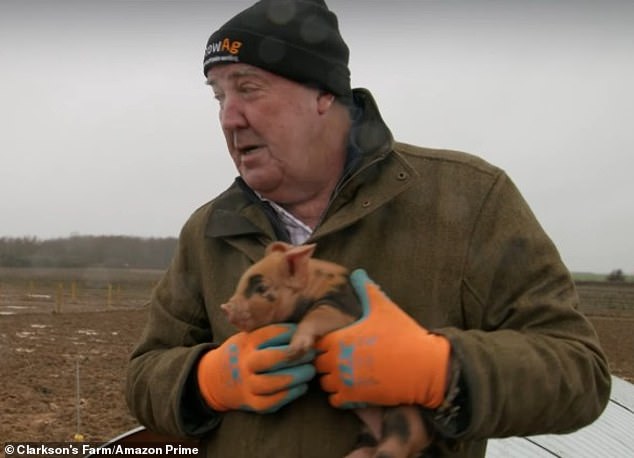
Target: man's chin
(264, 186)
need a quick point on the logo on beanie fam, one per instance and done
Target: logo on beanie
(224, 45)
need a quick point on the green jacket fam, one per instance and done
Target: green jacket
(451, 240)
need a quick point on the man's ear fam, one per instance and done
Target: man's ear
(324, 101)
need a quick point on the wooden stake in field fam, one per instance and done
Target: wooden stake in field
(78, 437)
(59, 298)
(73, 291)
(109, 295)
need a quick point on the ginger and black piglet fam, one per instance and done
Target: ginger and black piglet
(289, 285)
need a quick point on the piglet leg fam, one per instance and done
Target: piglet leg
(319, 321)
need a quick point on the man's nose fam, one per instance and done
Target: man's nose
(232, 113)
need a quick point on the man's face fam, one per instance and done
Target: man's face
(273, 127)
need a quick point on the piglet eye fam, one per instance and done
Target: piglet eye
(255, 285)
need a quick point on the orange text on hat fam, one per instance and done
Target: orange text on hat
(225, 44)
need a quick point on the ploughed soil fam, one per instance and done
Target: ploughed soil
(63, 372)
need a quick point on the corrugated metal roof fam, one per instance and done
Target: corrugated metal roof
(611, 435)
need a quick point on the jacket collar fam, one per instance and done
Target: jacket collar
(239, 211)
(369, 135)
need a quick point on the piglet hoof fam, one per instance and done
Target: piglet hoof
(295, 353)
(299, 345)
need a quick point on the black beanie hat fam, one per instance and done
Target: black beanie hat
(296, 39)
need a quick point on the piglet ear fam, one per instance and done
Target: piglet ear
(277, 247)
(297, 260)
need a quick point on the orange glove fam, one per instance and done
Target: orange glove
(385, 358)
(251, 371)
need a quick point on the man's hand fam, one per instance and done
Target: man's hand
(384, 358)
(251, 371)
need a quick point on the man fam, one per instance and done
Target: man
(447, 237)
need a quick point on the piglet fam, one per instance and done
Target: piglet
(289, 285)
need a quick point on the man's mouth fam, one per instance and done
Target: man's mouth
(248, 149)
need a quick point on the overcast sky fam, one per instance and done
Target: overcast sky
(106, 127)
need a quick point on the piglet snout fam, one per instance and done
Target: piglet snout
(239, 316)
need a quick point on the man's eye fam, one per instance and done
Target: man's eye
(247, 88)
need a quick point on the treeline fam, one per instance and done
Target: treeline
(87, 251)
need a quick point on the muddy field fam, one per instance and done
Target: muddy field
(64, 349)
